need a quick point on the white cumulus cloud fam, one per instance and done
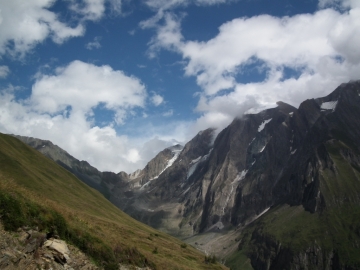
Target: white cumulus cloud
(171, 4)
(161, 6)
(90, 9)
(168, 113)
(157, 99)
(4, 71)
(320, 48)
(61, 107)
(24, 24)
(83, 86)
(95, 44)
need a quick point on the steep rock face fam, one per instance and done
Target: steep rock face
(290, 167)
(245, 149)
(260, 160)
(160, 201)
(177, 178)
(156, 166)
(313, 216)
(336, 122)
(271, 255)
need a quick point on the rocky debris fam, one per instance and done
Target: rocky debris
(29, 249)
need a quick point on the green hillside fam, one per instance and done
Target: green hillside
(35, 191)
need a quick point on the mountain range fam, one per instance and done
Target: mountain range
(279, 189)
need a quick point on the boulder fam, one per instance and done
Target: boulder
(60, 247)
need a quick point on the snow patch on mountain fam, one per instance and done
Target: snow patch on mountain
(134, 174)
(331, 105)
(262, 149)
(262, 213)
(192, 170)
(170, 162)
(240, 176)
(252, 141)
(195, 162)
(176, 152)
(186, 190)
(263, 124)
(146, 184)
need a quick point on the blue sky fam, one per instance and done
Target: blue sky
(114, 82)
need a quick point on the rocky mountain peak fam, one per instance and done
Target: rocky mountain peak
(284, 107)
(156, 166)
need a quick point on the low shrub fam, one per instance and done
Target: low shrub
(210, 259)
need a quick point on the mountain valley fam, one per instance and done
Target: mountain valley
(279, 189)
(40, 201)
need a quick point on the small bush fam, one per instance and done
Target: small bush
(155, 251)
(11, 212)
(183, 245)
(210, 259)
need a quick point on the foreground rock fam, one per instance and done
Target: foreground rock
(29, 249)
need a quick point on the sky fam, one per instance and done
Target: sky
(114, 82)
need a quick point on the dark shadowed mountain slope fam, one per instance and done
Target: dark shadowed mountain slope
(313, 202)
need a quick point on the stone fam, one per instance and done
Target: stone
(60, 247)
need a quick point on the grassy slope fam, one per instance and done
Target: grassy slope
(337, 228)
(28, 175)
